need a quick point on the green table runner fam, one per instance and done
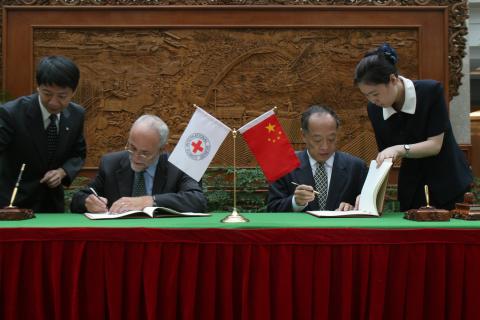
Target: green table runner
(257, 220)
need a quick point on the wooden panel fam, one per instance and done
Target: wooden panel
(20, 22)
(234, 61)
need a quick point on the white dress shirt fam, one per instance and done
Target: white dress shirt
(46, 115)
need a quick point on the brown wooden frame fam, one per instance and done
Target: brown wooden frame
(20, 22)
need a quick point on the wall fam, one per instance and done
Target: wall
(235, 62)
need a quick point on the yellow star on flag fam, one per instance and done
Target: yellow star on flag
(270, 127)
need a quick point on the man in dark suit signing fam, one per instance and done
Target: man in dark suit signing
(45, 132)
(326, 179)
(140, 176)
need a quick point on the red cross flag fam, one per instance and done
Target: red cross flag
(198, 144)
(270, 145)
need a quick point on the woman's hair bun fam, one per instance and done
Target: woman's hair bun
(389, 53)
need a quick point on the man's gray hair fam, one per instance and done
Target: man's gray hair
(156, 123)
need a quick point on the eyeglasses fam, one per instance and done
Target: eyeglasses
(133, 152)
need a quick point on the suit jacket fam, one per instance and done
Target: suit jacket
(23, 139)
(172, 188)
(346, 182)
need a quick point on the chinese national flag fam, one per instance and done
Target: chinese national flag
(271, 147)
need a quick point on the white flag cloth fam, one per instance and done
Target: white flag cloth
(198, 144)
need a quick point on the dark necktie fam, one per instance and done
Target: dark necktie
(139, 185)
(52, 139)
(321, 184)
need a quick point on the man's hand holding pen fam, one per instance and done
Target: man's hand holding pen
(96, 204)
(303, 194)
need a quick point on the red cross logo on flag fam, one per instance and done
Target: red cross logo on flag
(197, 146)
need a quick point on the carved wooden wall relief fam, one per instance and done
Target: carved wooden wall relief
(234, 74)
(236, 62)
(457, 15)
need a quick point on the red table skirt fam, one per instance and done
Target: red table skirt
(94, 273)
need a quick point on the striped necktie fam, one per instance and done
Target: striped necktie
(52, 139)
(321, 185)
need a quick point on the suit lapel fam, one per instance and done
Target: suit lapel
(160, 175)
(63, 132)
(37, 132)
(337, 180)
(125, 177)
(305, 176)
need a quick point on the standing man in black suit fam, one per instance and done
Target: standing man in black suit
(44, 131)
(140, 176)
(337, 177)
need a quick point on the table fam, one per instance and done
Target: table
(278, 266)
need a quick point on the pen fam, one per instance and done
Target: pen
(14, 194)
(96, 195)
(296, 184)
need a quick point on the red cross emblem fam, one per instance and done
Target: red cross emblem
(197, 146)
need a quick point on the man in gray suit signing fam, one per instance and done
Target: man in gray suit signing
(140, 176)
(326, 179)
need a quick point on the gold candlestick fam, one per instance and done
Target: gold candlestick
(234, 217)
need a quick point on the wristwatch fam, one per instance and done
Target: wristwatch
(407, 149)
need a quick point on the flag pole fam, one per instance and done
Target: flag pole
(234, 217)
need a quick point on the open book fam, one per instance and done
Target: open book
(148, 212)
(372, 195)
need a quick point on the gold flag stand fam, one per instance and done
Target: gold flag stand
(234, 217)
